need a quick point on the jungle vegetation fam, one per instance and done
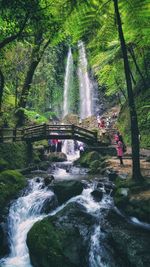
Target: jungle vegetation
(34, 40)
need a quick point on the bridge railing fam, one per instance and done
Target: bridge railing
(10, 135)
(47, 131)
(85, 133)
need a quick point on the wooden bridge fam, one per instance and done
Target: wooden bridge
(47, 131)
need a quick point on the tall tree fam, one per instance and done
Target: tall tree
(136, 172)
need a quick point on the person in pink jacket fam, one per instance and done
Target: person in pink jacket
(119, 149)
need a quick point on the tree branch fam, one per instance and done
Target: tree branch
(11, 38)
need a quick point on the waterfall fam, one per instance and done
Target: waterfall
(68, 82)
(86, 88)
(24, 212)
(68, 147)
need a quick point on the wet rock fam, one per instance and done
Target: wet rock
(48, 179)
(100, 185)
(61, 239)
(44, 165)
(97, 195)
(132, 243)
(64, 190)
(124, 191)
(112, 175)
(4, 246)
(57, 157)
(50, 204)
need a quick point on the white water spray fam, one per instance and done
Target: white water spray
(23, 214)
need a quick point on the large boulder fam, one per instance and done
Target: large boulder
(86, 158)
(131, 242)
(11, 182)
(64, 190)
(97, 194)
(56, 157)
(49, 204)
(60, 240)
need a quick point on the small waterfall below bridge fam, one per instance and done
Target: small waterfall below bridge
(24, 212)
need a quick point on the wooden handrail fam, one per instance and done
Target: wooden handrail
(47, 131)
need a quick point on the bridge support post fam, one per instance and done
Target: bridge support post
(29, 152)
(1, 135)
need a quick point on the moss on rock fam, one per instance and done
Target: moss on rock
(56, 241)
(64, 190)
(11, 182)
(15, 154)
(87, 158)
(56, 157)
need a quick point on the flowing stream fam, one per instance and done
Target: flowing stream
(27, 210)
(24, 212)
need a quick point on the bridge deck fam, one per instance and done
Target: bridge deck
(47, 131)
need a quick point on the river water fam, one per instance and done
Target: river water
(27, 210)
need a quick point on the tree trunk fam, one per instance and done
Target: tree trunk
(131, 51)
(28, 82)
(136, 173)
(1, 87)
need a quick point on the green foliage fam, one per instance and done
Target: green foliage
(87, 158)
(142, 100)
(3, 165)
(31, 116)
(15, 154)
(11, 182)
(43, 240)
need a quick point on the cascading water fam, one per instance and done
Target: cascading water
(23, 214)
(68, 82)
(68, 147)
(85, 84)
